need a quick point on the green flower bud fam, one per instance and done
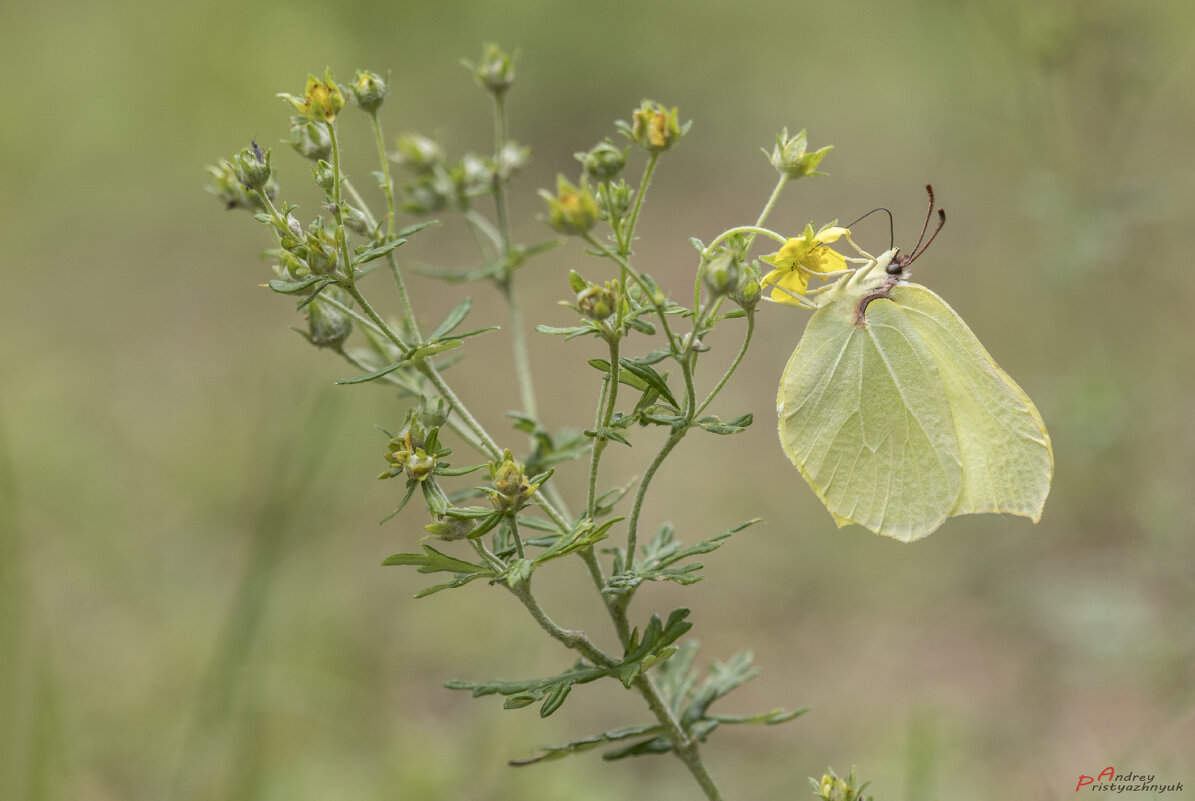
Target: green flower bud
(495, 72)
(512, 158)
(790, 158)
(229, 189)
(428, 195)
(355, 220)
(603, 161)
(419, 465)
(833, 788)
(321, 100)
(310, 140)
(369, 90)
(450, 528)
(653, 127)
(252, 167)
(511, 488)
(417, 153)
(325, 177)
(323, 256)
(615, 200)
(597, 302)
(721, 275)
(749, 291)
(473, 175)
(433, 412)
(327, 326)
(572, 210)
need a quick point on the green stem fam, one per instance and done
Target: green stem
(633, 527)
(570, 638)
(351, 287)
(683, 745)
(604, 416)
(624, 245)
(767, 208)
(490, 447)
(733, 365)
(342, 238)
(623, 263)
(518, 341)
(514, 533)
(387, 185)
(370, 220)
(499, 187)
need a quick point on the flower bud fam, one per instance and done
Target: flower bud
(512, 158)
(321, 100)
(369, 90)
(327, 326)
(511, 488)
(495, 72)
(418, 153)
(310, 140)
(615, 200)
(325, 177)
(576, 281)
(355, 220)
(749, 291)
(597, 302)
(653, 127)
(227, 187)
(603, 161)
(790, 158)
(323, 256)
(252, 167)
(450, 528)
(420, 464)
(572, 210)
(721, 275)
(433, 412)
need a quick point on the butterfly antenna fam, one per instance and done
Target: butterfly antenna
(929, 213)
(932, 237)
(891, 227)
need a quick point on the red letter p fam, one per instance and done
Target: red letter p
(1083, 780)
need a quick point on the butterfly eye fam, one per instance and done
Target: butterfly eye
(896, 266)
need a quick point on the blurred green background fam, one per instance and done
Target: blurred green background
(191, 603)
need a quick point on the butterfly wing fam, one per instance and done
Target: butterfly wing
(865, 417)
(1007, 459)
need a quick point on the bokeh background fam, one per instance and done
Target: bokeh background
(191, 597)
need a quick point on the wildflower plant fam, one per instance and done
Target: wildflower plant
(487, 501)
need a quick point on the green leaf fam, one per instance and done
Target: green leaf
(588, 743)
(377, 252)
(554, 699)
(294, 287)
(567, 332)
(416, 228)
(583, 536)
(715, 426)
(461, 580)
(647, 374)
(454, 318)
(433, 561)
(376, 374)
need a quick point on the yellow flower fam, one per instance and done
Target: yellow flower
(801, 257)
(321, 100)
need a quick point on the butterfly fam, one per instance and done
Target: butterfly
(898, 417)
